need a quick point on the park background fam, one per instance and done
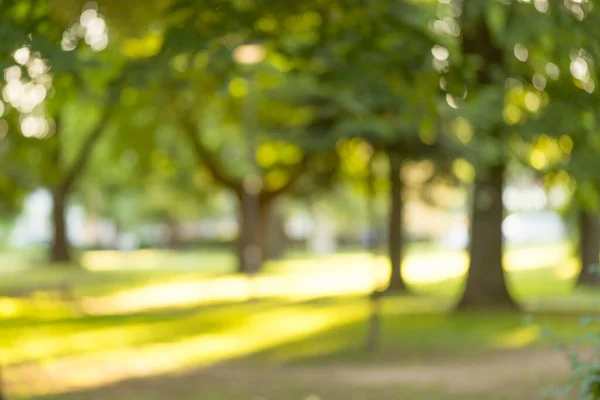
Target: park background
(325, 199)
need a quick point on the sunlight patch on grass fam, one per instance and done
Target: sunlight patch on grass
(519, 337)
(10, 307)
(568, 270)
(41, 307)
(343, 274)
(265, 330)
(170, 295)
(149, 259)
(47, 344)
(536, 257)
(435, 267)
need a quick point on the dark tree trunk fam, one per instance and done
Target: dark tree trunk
(589, 248)
(173, 237)
(486, 284)
(395, 234)
(249, 252)
(59, 246)
(272, 232)
(266, 232)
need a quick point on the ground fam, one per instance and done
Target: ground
(180, 326)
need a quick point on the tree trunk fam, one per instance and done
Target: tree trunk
(59, 246)
(589, 248)
(486, 284)
(249, 253)
(395, 234)
(272, 233)
(173, 241)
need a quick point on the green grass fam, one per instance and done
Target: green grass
(308, 329)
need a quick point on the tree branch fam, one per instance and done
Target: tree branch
(296, 174)
(85, 152)
(205, 157)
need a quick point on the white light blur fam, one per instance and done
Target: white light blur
(452, 27)
(27, 91)
(541, 5)
(249, 54)
(69, 42)
(521, 52)
(91, 27)
(13, 91)
(579, 69)
(21, 56)
(558, 197)
(97, 43)
(12, 73)
(578, 12)
(447, 26)
(440, 53)
(96, 27)
(450, 101)
(27, 95)
(441, 66)
(88, 17)
(553, 71)
(36, 67)
(39, 93)
(33, 126)
(539, 82)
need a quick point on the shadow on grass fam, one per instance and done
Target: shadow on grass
(416, 337)
(414, 329)
(407, 338)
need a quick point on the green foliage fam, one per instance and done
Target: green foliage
(584, 380)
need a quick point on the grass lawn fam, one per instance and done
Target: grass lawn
(188, 331)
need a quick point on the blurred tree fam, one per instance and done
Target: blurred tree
(483, 68)
(59, 95)
(247, 118)
(558, 121)
(162, 183)
(281, 164)
(566, 155)
(382, 78)
(516, 75)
